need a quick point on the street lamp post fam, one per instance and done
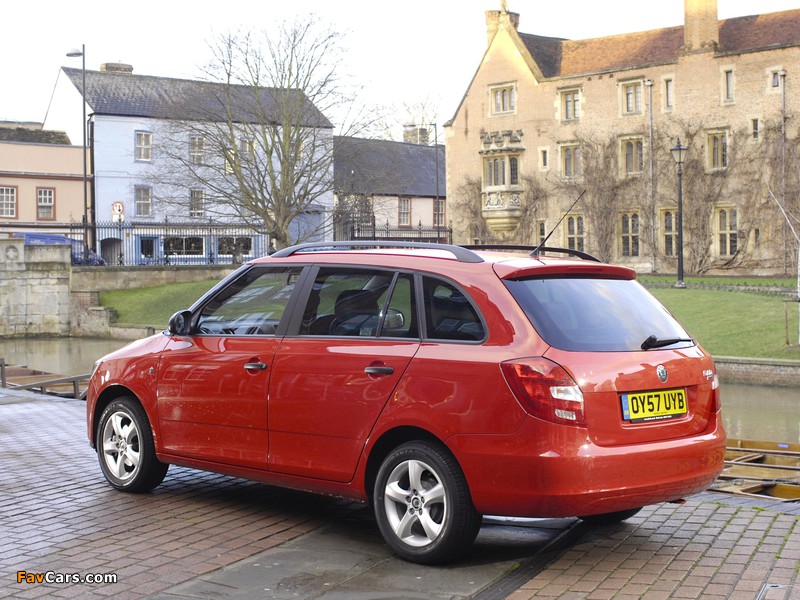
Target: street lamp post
(74, 54)
(679, 154)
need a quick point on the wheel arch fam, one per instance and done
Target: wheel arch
(389, 441)
(106, 397)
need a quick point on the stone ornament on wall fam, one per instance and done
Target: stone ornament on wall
(12, 254)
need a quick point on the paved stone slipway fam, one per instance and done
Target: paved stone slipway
(204, 535)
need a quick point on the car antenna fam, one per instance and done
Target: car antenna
(547, 237)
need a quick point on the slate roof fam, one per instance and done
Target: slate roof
(557, 57)
(33, 136)
(386, 168)
(126, 94)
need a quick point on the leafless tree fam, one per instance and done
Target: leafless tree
(258, 142)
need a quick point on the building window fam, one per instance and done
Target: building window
(45, 204)
(775, 78)
(570, 105)
(544, 163)
(669, 233)
(504, 99)
(197, 203)
(144, 145)
(630, 234)
(438, 212)
(728, 240)
(717, 150)
(728, 83)
(144, 203)
(404, 212)
(541, 231)
(197, 149)
(501, 170)
(513, 170)
(247, 147)
(230, 161)
(8, 202)
(755, 129)
(570, 161)
(669, 94)
(633, 153)
(575, 232)
(632, 98)
(184, 246)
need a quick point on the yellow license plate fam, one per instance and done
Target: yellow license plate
(653, 406)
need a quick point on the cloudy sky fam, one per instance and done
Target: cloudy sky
(403, 52)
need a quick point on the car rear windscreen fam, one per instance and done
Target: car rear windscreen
(585, 314)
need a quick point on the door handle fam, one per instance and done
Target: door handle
(255, 366)
(375, 370)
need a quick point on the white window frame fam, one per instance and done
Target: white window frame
(197, 203)
(8, 202)
(404, 212)
(45, 201)
(197, 149)
(143, 146)
(143, 201)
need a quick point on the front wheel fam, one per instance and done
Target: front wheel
(125, 448)
(423, 505)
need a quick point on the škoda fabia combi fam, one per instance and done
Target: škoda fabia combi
(436, 382)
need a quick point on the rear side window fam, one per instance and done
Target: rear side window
(449, 315)
(582, 314)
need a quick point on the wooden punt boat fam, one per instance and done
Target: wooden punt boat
(761, 469)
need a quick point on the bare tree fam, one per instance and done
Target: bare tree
(256, 139)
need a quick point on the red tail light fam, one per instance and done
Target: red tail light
(545, 390)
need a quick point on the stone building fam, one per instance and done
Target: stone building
(544, 119)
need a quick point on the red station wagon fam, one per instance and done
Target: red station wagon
(437, 382)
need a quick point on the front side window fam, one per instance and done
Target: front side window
(8, 202)
(252, 305)
(630, 234)
(504, 99)
(728, 236)
(144, 145)
(143, 201)
(595, 315)
(45, 204)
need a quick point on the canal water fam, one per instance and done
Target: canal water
(749, 412)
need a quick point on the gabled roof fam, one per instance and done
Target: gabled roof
(129, 95)
(563, 58)
(386, 168)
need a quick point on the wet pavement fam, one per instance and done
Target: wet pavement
(201, 535)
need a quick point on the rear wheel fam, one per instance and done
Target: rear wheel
(611, 518)
(423, 505)
(125, 448)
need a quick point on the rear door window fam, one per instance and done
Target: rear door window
(584, 314)
(449, 315)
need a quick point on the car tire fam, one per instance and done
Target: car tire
(125, 448)
(611, 518)
(423, 505)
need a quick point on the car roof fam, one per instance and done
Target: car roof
(508, 261)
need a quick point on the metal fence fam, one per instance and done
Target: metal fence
(166, 243)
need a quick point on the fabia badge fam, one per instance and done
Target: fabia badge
(661, 371)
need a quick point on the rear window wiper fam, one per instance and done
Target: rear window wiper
(655, 342)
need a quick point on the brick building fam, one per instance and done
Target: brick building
(545, 118)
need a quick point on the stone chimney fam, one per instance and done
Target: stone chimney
(116, 67)
(701, 30)
(496, 18)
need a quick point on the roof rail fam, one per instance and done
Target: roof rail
(535, 251)
(461, 253)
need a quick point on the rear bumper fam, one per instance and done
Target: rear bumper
(553, 471)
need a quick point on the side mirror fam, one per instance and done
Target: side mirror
(394, 319)
(180, 323)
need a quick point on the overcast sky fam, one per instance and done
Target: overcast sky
(404, 51)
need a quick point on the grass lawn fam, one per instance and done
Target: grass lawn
(726, 323)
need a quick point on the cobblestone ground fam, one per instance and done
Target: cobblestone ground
(712, 547)
(58, 514)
